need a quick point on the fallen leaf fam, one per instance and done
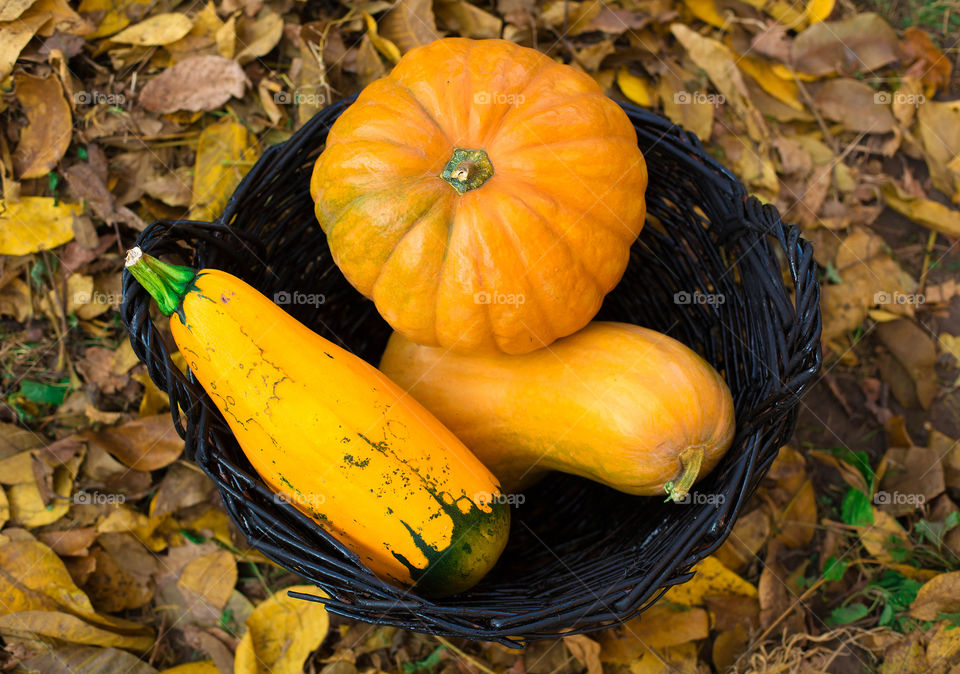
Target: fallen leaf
(749, 534)
(95, 368)
(784, 90)
(70, 542)
(409, 24)
(682, 659)
(143, 444)
(225, 152)
(884, 535)
(916, 351)
(53, 624)
(660, 626)
(196, 83)
(788, 490)
(63, 19)
(719, 64)
(857, 106)
(706, 11)
(258, 36)
(34, 224)
(468, 20)
(200, 667)
(940, 132)
(47, 135)
(932, 214)
(281, 633)
(159, 29)
(115, 15)
(710, 578)
(181, 487)
(863, 42)
(819, 10)
(932, 66)
(638, 89)
(14, 36)
(11, 9)
(692, 113)
(728, 646)
(90, 188)
(87, 660)
(205, 642)
(943, 649)
(210, 579)
(586, 651)
(939, 595)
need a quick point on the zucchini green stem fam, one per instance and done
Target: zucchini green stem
(166, 283)
(691, 460)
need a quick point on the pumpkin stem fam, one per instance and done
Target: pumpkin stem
(166, 283)
(691, 459)
(467, 169)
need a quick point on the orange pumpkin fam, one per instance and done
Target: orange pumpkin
(484, 196)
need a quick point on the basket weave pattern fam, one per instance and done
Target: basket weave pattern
(713, 268)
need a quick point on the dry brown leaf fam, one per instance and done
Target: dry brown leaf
(931, 214)
(916, 351)
(181, 487)
(863, 42)
(47, 135)
(196, 83)
(56, 625)
(939, 595)
(718, 62)
(749, 534)
(409, 24)
(69, 542)
(468, 20)
(586, 651)
(87, 660)
(95, 368)
(143, 444)
(929, 63)
(857, 106)
(940, 132)
(692, 113)
(225, 152)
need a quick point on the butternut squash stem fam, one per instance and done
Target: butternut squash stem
(166, 283)
(691, 459)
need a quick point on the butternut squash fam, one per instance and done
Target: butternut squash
(615, 403)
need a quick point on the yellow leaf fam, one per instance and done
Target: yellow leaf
(784, 73)
(710, 578)
(159, 29)
(882, 316)
(932, 214)
(258, 36)
(786, 12)
(882, 535)
(943, 649)
(939, 595)
(34, 578)
(116, 14)
(211, 578)
(660, 626)
(819, 10)
(14, 36)
(12, 9)
(950, 344)
(201, 667)
(680, 659)
(383, 45)
(281, 633)
(637, 89)
(782, 89)
(4, 508)
(586, 651)
(225, 152)
(34, 224)
(706, 10)
(63, 626)
(693, 113)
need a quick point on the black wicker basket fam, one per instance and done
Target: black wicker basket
(581, 556)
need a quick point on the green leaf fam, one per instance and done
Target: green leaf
(859, 460)
(843, 615)
(856, 509)
(834, 569)
(48, 394)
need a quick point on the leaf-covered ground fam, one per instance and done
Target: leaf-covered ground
(114, 553)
